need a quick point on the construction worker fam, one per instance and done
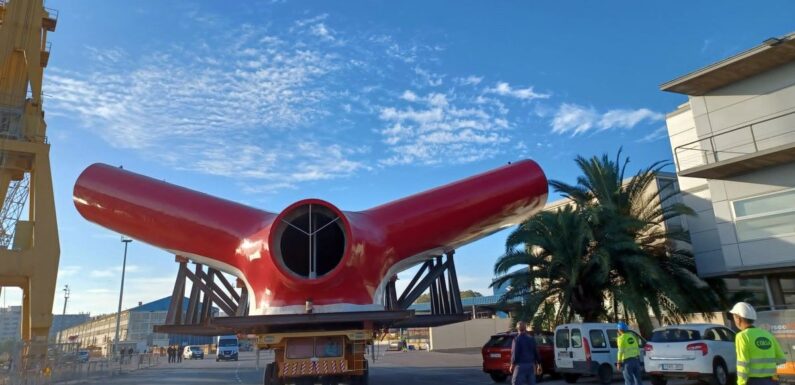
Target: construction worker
(758, 352)
(628, 361)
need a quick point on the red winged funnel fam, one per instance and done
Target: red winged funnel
(340, 260)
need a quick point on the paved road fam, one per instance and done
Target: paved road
(399, 368)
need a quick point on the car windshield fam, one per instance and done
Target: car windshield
(675, 335)
(499, 342)
(227, 343)
(544, 339)
(195, 348)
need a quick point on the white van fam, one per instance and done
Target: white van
(227, 348)
(585, 349)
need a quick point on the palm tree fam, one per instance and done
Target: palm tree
(634, 254)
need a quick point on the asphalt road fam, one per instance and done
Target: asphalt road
(398, 368)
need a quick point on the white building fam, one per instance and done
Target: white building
(733, 143)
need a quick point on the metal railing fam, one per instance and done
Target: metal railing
(63, 363)
(744, 140)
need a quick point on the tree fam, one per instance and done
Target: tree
(611, 244)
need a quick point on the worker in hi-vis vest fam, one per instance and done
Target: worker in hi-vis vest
(628, 361)
(758, 352)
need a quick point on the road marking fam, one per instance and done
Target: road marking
(237, 375)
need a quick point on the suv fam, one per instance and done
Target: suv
(588, 349)
(694, 351)
(497, 355)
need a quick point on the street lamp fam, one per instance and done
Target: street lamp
(126, 242)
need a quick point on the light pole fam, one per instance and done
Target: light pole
(126, 242)
(66, 293)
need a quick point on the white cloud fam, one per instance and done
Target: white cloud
(241, 112)
(102, 273)
(409, 96)
(443, 129)
(579, 119)
(659, 133)
(470, 80)
(505, 89)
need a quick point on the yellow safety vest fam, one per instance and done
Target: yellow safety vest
(758, 354)
(627, 347)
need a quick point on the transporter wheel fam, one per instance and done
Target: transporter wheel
(498, 377)
(571, 378)
(268, 377)
(605, 374)
(658, 380)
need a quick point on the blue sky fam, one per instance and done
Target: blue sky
(357, 103)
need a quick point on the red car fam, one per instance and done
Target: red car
(497, 355)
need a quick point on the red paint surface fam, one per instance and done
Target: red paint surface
(196, 224)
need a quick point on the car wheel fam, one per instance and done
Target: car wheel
(498, 377)
(720, 376)
(605, 374)
(571, 378)
(658, 380)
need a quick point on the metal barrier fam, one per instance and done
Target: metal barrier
(27, 364)
(748, 139)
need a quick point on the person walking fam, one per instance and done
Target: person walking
(170, 352)
(179, 353)
(628, 361)
(758, 352)
(524, 357)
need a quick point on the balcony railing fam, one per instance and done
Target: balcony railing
(749, 139)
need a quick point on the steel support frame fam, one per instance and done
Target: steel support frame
(438, 275)
(205, 293)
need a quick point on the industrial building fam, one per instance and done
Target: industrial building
(135, 330)
(733, 144)
(11, 318)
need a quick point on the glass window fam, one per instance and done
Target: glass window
(677, 335)
(576, 338)
(543, 339)
(612, 337)
(328, 347)
(783, 201)
(300, 347)
(597, 339)
(503, 341)
(765, 226)
(726, 334)
(711, 335)
(562, 338)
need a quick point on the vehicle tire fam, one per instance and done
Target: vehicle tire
(498, 377)
(571, 378)
(658, 380)
(720, 376)
(605, 374)
(235, 358)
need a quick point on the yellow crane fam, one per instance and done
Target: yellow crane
(29, 248)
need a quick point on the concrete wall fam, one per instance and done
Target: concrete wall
(773, 251)
(695, 193)
(467, 334)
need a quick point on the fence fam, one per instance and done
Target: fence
(40, 364)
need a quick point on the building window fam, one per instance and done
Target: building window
(765, 216)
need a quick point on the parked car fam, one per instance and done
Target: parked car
(585, 349)
(192, 352)
(83, 356)
(695, 351)
(497, 355)
(227, 348)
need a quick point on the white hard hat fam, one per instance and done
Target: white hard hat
(745, 310)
